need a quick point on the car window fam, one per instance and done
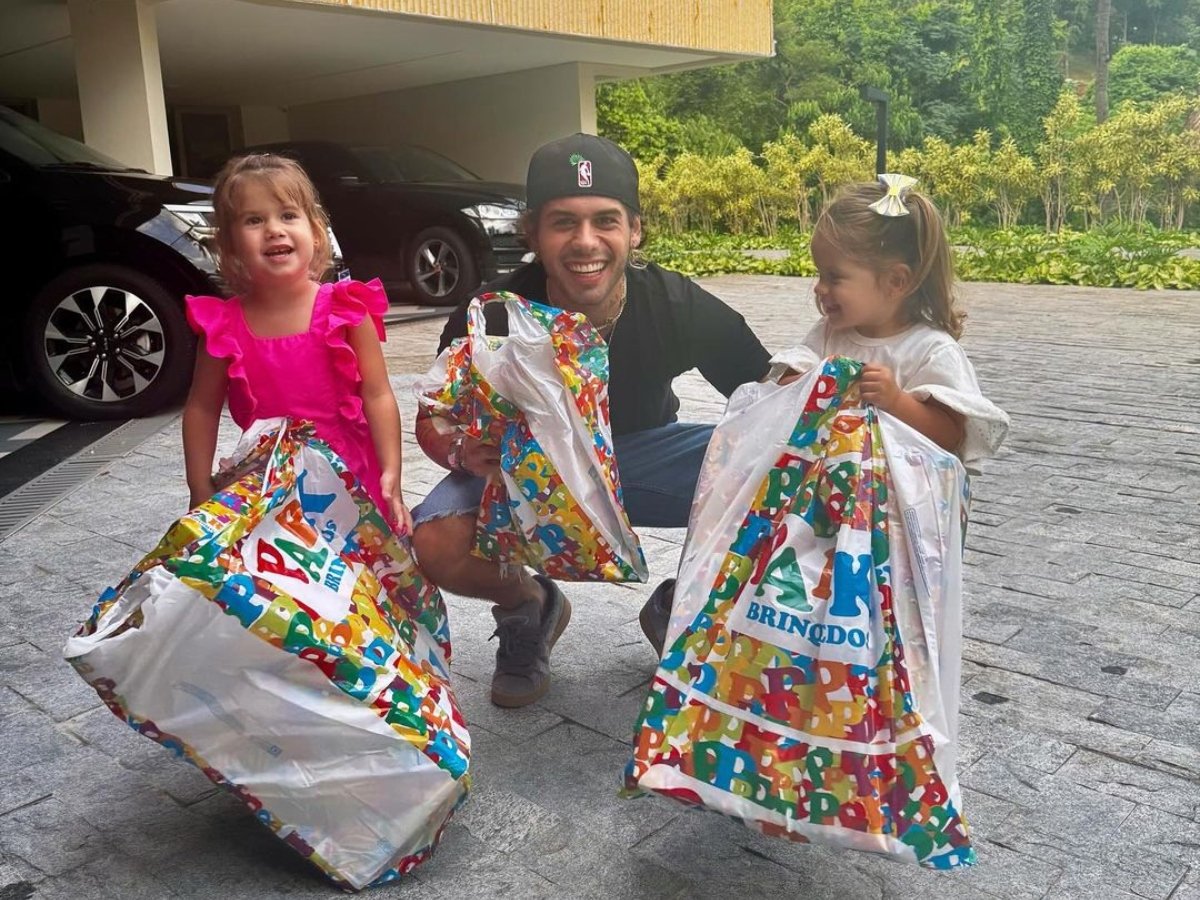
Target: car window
(38, 146)
(407, 163)
(321, 162)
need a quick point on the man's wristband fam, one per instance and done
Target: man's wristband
(454, 456)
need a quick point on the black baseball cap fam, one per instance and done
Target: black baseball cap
(581, 165)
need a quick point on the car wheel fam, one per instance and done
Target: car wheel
(107, 342)
(441, 268)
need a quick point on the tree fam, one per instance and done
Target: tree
(633, 114)
(1038, 75)
(789, 168)
(1058, 158)
(1013, 180)
(1145, 72)
(1103, 12)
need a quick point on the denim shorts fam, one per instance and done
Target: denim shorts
(659, 468)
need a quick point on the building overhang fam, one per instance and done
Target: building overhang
(290, 52)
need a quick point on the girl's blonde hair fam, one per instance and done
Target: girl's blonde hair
(918, 240)
(288, 181)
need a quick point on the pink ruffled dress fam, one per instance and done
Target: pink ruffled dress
(313, 375)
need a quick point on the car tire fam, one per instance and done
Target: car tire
(105, 342)
(441, 267)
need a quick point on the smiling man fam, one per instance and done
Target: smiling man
(583, 225)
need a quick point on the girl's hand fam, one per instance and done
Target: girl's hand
(389, 485)
(878, 386)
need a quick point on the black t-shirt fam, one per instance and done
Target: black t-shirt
(670, 325)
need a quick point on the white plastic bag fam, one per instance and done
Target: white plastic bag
(810, 681)
(542, 394)
(282, 640)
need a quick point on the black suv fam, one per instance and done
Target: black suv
(413, 217)
(97, 259)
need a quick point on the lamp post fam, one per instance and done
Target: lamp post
(880, 99)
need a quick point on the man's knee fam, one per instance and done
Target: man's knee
(441, 545)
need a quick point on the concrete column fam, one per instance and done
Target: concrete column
(120, 81)
(61, 115)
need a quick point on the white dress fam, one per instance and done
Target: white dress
(927, 363)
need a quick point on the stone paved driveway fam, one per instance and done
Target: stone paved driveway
(1081, 701)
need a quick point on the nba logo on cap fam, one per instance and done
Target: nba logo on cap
(583, 168)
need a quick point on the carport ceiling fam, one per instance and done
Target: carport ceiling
(228, 52)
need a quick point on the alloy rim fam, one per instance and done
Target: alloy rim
(437, 267)
(104, 344)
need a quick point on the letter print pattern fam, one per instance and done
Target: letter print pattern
(787, 703)
(390, 651)
(546, 527)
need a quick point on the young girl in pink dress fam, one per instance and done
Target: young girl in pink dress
(288, 345)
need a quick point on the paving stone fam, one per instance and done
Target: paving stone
(1084, 667)
(708, 851)
(49, 683)
(1176, 723)
(515, 724)
(1170, 836)
(505, 821)
(1014, 745)
(12, 702)
(104, 732)
(16, 875)
(1021, 702)
(1122, 778)
(28, 738)
(992, 622)
(243, 858)
(49, 837)
(588, 861)
(1108, 858)
(1080, 780)
(590, 778)
(1171, 758)
(466, 868)
(105, 878)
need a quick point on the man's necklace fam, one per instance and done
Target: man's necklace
(608, 324)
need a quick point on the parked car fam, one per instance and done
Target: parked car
(97, 260)
(413, 217)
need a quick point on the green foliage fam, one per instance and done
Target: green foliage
(1099, 258)
(951, 68)
(1106, 257)
(633, 113)
(1142, 165)
(1145, 72)
(1039, 79)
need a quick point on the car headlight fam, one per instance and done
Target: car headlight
(199, 219)
(493, 212)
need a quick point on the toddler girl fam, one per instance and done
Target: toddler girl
(886, 296)
(288, 345)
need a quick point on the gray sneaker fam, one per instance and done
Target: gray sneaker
(656, 614)
(523, 657)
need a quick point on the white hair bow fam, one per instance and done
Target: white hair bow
(891, 204)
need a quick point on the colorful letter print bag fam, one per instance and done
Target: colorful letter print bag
(281, 639)
(810, 683)
(542, 394)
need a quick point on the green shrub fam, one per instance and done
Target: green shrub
(1111, 256)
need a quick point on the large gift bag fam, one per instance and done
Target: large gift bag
(810, 683)
(541, 393)
(282, 640)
